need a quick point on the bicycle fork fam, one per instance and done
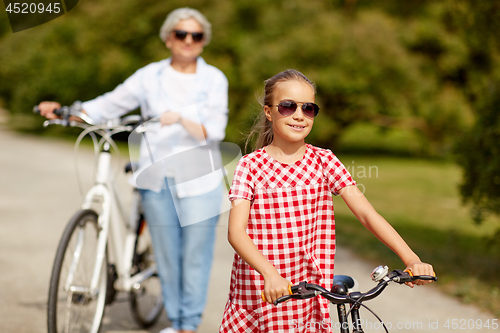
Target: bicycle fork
(98, 191)
(344, 322)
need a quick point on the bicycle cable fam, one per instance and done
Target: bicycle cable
(91, 131)
(374, 314)
(358, 302)
(75, 152)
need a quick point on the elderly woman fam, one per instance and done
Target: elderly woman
(190, 99)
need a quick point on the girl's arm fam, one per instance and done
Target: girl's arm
(378, 226)
(275, 285)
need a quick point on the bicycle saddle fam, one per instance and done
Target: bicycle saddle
(343, 284)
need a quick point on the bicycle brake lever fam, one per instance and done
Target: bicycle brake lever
(84, 117)
(61, 122)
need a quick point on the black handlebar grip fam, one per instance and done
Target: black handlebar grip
(425, 277)
(283, 299)
(58, 112)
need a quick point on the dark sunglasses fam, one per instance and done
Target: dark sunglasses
(181, 35)
(287, 108)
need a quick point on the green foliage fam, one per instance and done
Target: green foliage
(478, 150)
(369, 67)
(479, 156)
(393, 65)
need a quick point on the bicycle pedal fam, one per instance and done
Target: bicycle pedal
(80, 299)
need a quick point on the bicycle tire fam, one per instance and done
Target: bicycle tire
(146, 303)
(74, 309)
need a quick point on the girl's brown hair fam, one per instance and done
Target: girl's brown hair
(262, 126)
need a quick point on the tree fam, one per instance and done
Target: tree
(386, 65)
(479, 150)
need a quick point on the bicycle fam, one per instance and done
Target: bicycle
(343, 293)
(100, 253)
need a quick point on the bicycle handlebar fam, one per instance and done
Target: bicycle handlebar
(65, 112)
(306, 290)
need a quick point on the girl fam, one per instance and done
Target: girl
(281, 224)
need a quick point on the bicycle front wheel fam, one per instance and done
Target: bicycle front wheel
(146, 301)
(72, 305)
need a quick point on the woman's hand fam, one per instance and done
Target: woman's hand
(169, 118)
(419, 268)
(275, 286)
(47, 109)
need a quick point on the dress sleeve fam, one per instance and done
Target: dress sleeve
(243, 184)
(336, 174)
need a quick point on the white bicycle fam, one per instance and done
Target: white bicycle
(103, 250)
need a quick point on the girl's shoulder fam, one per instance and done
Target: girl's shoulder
(326, 157)
(253, 158)
(259, 156)
(321, 152)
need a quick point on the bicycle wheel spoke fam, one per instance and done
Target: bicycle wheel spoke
(73, 306)
(76, 257)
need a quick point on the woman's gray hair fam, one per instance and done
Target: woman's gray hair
(183, 14)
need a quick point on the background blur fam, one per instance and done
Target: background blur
(409, 87)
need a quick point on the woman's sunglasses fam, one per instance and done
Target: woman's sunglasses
(287, 108)
(181, 35)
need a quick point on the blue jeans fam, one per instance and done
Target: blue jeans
(183, 254)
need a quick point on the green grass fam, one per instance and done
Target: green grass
(420, 199)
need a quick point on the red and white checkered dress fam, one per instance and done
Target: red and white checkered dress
(292, 223)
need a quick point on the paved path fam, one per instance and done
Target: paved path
(38, 193)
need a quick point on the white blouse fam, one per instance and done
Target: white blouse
(170, 150)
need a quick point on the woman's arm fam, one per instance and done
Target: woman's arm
(378, 226)
(216, 107)
(275, 285)
(198, 131)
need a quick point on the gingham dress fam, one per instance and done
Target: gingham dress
(292, 223)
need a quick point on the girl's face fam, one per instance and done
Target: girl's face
(293, 128)
(186, 49)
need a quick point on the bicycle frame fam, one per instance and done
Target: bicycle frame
(112, 228)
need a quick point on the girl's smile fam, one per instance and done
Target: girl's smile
(298, 128)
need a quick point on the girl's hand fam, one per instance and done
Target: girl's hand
(419, 268)
(169, 118)
(275, 286)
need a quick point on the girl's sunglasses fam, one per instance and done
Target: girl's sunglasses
(287, 108)
(181, 35)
